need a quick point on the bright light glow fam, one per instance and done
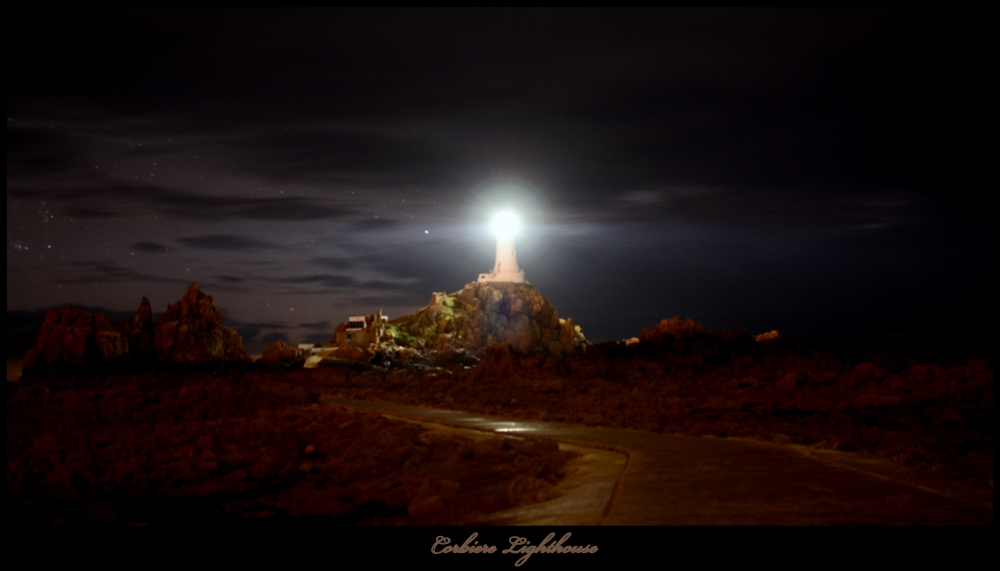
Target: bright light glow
(505, 225)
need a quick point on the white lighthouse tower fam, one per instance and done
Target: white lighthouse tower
(505, 227)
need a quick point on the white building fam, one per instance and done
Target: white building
(505, 226)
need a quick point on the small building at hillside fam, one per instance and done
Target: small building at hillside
(363, 330)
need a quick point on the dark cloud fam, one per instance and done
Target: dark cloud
(248, 333)
(715, 207)
(290, 209)
(375, 224)
(317, 339)
(386, 286)
(89, 273)
(230, 279)
(255, 335)
(201, 207)
(227, 243)
(111, 198)
(429, 265)
(92, 212)
(151, 247)
(233, 322)
(346, 154)
(339, 264)
(318, 326)
(410, 264)
(269, 338)
(325, 280)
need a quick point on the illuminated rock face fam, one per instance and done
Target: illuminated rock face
(484, 314)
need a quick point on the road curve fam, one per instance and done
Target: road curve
(629, 477)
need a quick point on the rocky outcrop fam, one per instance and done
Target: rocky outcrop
(279, 351)
(190, 332)
(354, 353)
(139, 332)
(74, 341)
(688, 342)
(769, 336)
(484, 314)
(673, 328)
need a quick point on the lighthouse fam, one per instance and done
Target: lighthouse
(505, 226)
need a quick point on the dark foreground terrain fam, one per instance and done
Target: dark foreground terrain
(171, 447)
(252, 443)
(932, 415)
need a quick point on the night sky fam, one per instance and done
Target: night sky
(809, 171)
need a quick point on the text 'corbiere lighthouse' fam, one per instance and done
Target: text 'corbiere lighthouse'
(505, 227)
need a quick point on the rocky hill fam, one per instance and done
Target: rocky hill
(483, 314)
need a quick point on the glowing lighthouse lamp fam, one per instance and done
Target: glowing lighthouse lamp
(505, 227)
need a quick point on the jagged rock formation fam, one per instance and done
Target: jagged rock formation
(190, 332)
(140, 333)
(74, 341)
(484, 314)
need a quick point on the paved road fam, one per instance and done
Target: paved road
(628, 477)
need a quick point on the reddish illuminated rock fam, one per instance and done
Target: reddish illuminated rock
(354, 353)
(501, 363)
(190, 332)
(139, 332)
(279, 351)
(74, 341)
(769, 336)
(673, 328)
(68, 341)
